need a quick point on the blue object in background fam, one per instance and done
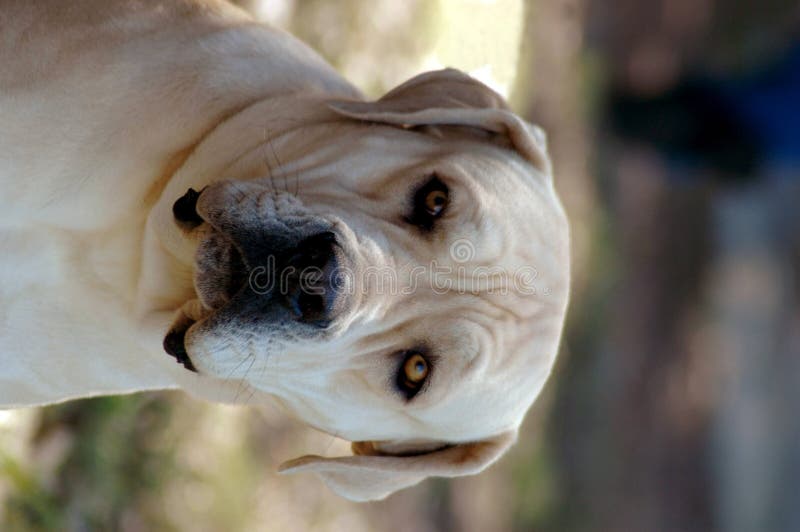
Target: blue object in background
(739, 128)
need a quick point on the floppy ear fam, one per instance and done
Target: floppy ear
(451, 98)
(381, 468)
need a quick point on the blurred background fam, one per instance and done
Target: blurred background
(674, 126)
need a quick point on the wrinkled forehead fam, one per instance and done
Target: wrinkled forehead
(499, 326)
(512, 218)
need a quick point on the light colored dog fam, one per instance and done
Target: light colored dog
(177, 177)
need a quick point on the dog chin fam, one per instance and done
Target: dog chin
(220, 274)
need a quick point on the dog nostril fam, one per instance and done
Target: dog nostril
(185, 209)
(328, 237)
(312, 294)
(320, 240)
(308, 307)
(314, 251)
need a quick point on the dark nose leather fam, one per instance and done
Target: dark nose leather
(311, 292)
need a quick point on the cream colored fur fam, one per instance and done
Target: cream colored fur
(111, 110)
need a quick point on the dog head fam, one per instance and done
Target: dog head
(398, 277)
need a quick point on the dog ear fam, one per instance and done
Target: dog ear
(381, 468)
(451, 98)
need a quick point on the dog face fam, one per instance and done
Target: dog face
(405, 291)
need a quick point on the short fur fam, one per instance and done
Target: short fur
(111, 110)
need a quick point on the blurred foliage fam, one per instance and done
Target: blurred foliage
(115, 454)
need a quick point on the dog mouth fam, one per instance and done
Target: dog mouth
(221, 268)
(221, 271)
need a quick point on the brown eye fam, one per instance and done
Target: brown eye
(415, 369)
(412, 373)
(428, 203)
(435, 202)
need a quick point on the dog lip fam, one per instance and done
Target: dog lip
(175, 346)
(221, 272)
(185, 209)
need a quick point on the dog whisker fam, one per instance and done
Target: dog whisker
(279, 165)
(243, 381)
(270, 170)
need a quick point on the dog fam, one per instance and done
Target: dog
(180, 182)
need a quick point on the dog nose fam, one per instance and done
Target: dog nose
(312, 292)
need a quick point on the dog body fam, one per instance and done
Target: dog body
(113, 110)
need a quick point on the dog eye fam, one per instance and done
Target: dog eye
(413, 373)
(429, 203)
(435, 202)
